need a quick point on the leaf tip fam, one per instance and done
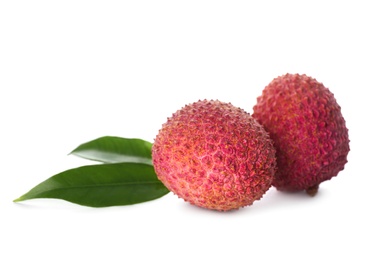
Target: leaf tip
(18, 199)
(72, 152)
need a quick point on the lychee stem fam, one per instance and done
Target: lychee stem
(312, 191)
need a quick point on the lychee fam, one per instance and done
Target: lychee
(214, 155)
(307, 127)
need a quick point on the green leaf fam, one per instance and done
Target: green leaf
(110, 149)
(102, 185)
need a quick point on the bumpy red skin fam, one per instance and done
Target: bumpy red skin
(308, 130)
(214, 155)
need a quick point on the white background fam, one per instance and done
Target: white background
(72, 71)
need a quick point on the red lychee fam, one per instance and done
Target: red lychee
(214, 155)
(307, 127)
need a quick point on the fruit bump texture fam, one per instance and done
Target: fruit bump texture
(214, 155)
(308, 130)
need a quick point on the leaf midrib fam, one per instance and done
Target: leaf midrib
(108, 184)
(89, 186)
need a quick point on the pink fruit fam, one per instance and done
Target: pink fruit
(308, 130)
(214, 155)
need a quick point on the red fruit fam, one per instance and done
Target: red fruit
(214, 155)
(308, 130)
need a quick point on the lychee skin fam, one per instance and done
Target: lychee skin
(307, 127)
(214, 155)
